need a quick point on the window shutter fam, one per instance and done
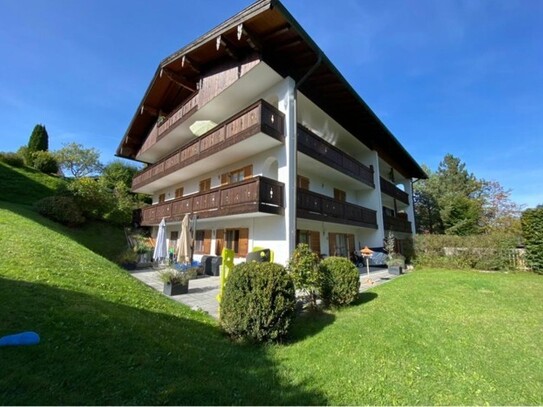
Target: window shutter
(248, 171)
(219, 242)
(331, 244)
(350, 240)
(179, 192)
(207, 241)
(243, 245)
(224, 179)
(315, 242)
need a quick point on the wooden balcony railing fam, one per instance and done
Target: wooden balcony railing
(260, 117)
(311, 205)
(257, 194)
(397, 224)
(392, 190)
(321, 150)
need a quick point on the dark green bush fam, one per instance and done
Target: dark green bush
(258, 302)
(13, 159)
(61, 209)
(532, 231)
(45, 162)
(341, 281)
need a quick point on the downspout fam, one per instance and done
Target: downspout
(294, 185)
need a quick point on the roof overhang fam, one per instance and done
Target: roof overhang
(267, 30)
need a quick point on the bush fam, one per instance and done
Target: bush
(61, 209)
(45, 162)
(341, 281)
(532, 231)
(482, 252)
(92, 197)
(13, 159)
(304, 269)
(258, 302)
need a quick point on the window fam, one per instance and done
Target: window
(388, 211)
(161, 198)
(205, 185)
(233, 239)
(340, 244)
(339, 195)
(202, 241)
(311, 238)
(174, 235)
(179, 192)
(302, 182)
(237, 175)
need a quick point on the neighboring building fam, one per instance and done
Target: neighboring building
(252, 129)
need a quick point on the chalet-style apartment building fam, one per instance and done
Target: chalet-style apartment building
(251, 128)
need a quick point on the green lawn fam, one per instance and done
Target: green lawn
(430, 337)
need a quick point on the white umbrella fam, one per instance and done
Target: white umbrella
(161, 249)
(185, 241)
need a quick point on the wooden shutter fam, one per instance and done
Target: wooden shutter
(339, 195)
(248, 171)
(179, 192)
(243, 243)
(331, 244)
(350, 242)
(205, 185)
(161, 198)
(315, 241)
(303, 182)
(219, 242)
(225, 178)
(207, 241)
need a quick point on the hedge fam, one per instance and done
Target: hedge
(532, 231)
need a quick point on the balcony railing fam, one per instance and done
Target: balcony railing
(260, 117)
(392, 190)
(321, 150)
(311, 205)
(397, 224)
(257, 194)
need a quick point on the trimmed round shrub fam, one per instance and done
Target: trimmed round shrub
(340, 281)
(258, 302)
(61, 209)
(45, 162)
(13, 159)
(303, 267)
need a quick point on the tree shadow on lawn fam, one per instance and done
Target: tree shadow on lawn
(95, 352)
(308, 324)
(364, 298)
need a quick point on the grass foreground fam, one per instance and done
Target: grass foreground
(430, 337)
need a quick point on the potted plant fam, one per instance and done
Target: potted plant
(176, 282)
(128, 259)
(395, 264)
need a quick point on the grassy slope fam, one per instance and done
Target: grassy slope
(108, 339)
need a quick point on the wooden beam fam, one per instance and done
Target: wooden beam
(178, 79)
(190, 63)
(149, 109)
(277, 33)
(253, 42)
(288, 44)
(228, 48)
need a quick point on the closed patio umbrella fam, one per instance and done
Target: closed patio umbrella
(185, 241)
(161, 249)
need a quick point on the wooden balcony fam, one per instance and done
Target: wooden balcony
(311, 205)
(260, 117)
(321, 150)
(257, 194)
(397, 224)
(392, 190)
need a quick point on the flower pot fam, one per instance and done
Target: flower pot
(128, 266)
(395, 270)
(176, 289)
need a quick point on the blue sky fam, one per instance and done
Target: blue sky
(448, 76)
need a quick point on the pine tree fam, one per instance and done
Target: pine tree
(39, 139)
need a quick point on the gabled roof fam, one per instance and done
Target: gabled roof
(268, 30)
